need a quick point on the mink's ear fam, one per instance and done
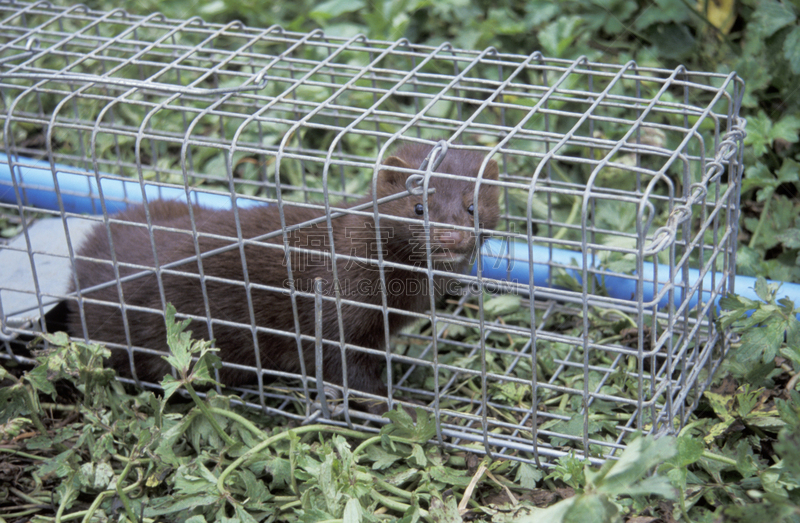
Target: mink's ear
(492, 171)
(391, 181)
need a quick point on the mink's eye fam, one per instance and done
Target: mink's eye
(419, 209)
(471, 209)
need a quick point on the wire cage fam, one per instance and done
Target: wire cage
(587, 316)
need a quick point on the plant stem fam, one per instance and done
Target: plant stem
(32, 400)
(761, 221)
(126, 502)
(289, 505)
(21, 454)
(28, 498)
(397, 491)
(717, 457)
(207, 413)
(573, 214)
(62, 505)
(249, 425)
(278, 437)
(394, 505)
(358, 450)
(87, 514)
(14, 515)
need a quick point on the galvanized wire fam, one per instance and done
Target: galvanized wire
(267, 116)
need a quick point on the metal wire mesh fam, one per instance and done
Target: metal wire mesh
(634, 172)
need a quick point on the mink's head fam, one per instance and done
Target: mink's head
(452, 204)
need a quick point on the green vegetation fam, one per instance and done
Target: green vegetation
(140, 457)
(115, 454)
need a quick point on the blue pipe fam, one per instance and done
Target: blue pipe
(510, 261)
(80, 194)
(501, 260)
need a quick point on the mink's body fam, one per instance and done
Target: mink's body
(227, 302)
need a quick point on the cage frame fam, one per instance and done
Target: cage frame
(254, 71)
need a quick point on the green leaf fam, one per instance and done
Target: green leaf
(652, 486)
(505, 22)
(281, 471)
(558, 36)
(352, 511)
(334, 8)
(758, 129)
(791, 50)
(171, 504)
(674, 41)
(768, 421)
(662, 12)
(256, 490)
(404, 427)
(528, 475)
(40, 379)
(793, 324)
(449, 476)
(589, 509)
(748, 261)
(59, 339)
(792, 354)
(786, 129)
(170, 385)
(770, 16)
(59, 465)
(761, 133)
(689, 450)
(538, 12)
(243, 516)
(14, 427)
(203, 370)
(194, 478)
(86, 474)
(12, 398)
(764, 290)
(502, 305)
(746, 462)
(758, 175)
(412, 514)
(418, 455)
(788, 445)
(103, 474)
(328, 476)
(760, 344)
(747, 400)
(444, 511)
(425, 426)
(182, 349)
(733, 302)
(721, 404)
(639, 456)
(179, 341)
(570, 470)
(381, 458)
(790, 238)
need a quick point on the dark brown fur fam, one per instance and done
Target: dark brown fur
(353, 235)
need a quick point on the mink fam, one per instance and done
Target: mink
(400, 242)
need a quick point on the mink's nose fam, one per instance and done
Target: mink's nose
(450, 238)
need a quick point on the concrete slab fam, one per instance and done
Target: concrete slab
(49, 256)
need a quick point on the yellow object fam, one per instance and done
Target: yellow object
(721, 13)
